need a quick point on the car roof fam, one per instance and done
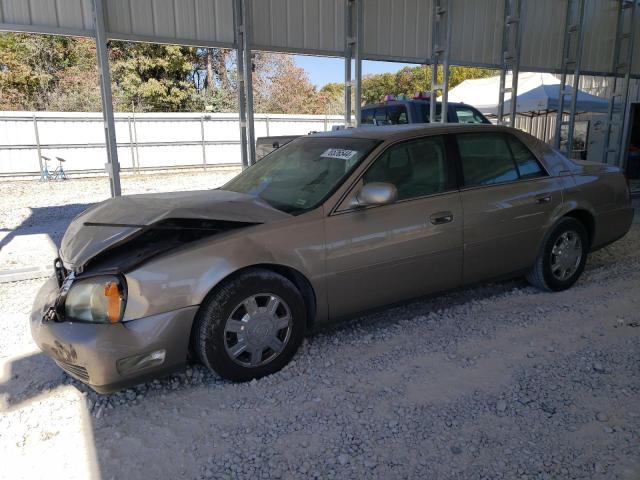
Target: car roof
(398, 132)
(420, 101)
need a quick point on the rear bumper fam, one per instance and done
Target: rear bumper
(90, 352)
(612, 226)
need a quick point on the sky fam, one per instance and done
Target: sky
(323, 70)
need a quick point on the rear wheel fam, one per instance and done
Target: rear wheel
(251, 326)
(562, 257)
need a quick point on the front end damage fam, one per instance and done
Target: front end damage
(97, 346)
(143, 244)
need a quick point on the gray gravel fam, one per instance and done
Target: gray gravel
(498, 381)
(35, 215)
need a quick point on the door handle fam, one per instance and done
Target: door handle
(440, 218)
(545, 198)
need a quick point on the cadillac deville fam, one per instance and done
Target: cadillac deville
(325, 227)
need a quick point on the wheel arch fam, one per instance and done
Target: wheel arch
(587, 219)
(296, 277)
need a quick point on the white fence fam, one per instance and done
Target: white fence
(145, 140)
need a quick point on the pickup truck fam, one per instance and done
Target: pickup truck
(398, 112)
(391, 111)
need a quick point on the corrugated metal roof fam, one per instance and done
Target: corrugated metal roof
(395, 30)
(476, 35)
(305, 26)
(55, 16)
(200, 22)
(542, 34)
(599, 35)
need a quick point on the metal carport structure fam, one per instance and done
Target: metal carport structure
(566, 37)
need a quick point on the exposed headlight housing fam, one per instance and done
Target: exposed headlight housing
(96, 300)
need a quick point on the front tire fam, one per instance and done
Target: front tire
(251, 326)
(562, 257)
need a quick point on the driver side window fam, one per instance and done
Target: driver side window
(416, 168)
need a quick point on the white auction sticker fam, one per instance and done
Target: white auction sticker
(339, 153)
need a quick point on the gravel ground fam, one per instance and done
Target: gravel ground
(497, 381)
(35, 215)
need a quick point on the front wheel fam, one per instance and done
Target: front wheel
(251, 326)
(562, 257)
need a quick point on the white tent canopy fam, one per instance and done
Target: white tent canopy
(537, 93)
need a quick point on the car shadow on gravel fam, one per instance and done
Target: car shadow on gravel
(31, 377)
(51, 221)
(27, 377)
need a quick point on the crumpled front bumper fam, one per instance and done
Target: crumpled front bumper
(90, 352)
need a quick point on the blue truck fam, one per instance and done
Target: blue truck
(391, 111)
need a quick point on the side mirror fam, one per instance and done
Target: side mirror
(376, 193)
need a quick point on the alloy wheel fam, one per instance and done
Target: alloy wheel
(566, 255)
(257, 330)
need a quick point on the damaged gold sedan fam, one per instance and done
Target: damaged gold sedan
(323, 228)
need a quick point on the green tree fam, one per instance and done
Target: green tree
(153, 77)
(410, 80)
(41, 72)
(38, 70)
(330, 99)
(282, 87)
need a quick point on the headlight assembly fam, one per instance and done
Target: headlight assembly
(97, 300)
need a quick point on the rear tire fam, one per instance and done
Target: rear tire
(562, 256)
(251, 326)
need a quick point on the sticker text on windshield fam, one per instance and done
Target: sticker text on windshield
(339, 153)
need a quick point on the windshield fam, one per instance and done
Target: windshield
(301, 174)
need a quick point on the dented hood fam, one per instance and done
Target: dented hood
(128, 215)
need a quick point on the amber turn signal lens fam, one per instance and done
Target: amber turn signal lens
(114, 301)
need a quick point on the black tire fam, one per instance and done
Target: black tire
(541, 275)
(210, 340)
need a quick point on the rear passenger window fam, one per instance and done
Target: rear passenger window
(367, 116)
(468, 115)
(528, 165)
(397, 115)
(425, 109)
(380, 116)
(486, 159)
(417, 168)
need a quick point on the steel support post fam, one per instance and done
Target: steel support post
(248, 80)
(37, 137)
(502, 91)
(571, 57)
(444, 117)
(515, 69)
(112, 166)
(135, 138)
(131, 148)
(358, 62)
(625, 128)
(204, 144)
(237, 15)
(348, 55)
(440, 47)
(625, 30)
(511, 35)
(435, 52)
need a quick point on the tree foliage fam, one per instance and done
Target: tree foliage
(39, 72)
(153, 77)
(410, 80)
